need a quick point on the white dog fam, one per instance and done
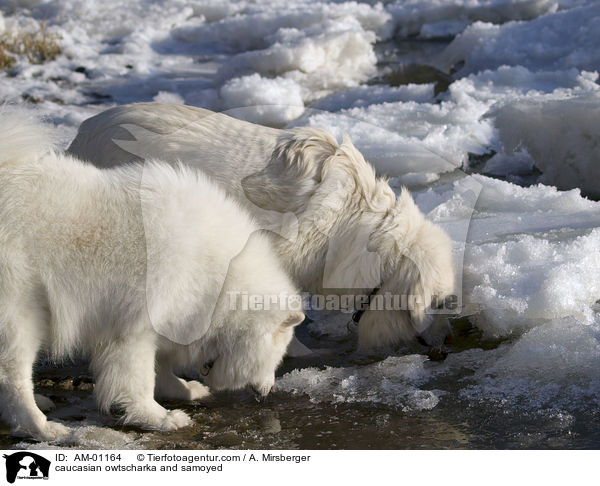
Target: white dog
(342, 229)
(136, 267)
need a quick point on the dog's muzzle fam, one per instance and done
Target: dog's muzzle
(437, 352)
(260, 394)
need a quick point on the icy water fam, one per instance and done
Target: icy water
(235, 420)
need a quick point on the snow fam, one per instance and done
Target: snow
(552, 42)
(506, 158)
(441, 18)
(393, 382)
(273, 102)
(561, 136)
(531, 254)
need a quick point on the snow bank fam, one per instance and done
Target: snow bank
(400, 131)
(310, 49)
(251, 26)
(561, 136)
(531, 255)
(271, 102)
(442, 18)
(557, 41)
(205, 53)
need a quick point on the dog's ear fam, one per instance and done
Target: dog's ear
(293, 172)
(398, 229)
(408, 250)
(376, 193)
(405, 201)
(293, 319)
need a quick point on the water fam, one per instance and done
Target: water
(235, 420)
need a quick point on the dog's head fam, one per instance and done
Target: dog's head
(249, 357)
(384, 242)
(253, 322)
(354, 234)
(417, 276)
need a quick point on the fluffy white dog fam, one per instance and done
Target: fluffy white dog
(342, 229)
(136, 267)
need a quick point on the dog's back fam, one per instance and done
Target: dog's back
(214, 142)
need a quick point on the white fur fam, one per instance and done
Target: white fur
(342, 228)
(130, 266)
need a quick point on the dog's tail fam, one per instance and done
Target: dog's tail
(23, 135)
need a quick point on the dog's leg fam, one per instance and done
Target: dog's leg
(171, 387)
(19, 344)
(124, 371)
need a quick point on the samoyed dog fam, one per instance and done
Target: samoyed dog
(135, 267)
(341, 229)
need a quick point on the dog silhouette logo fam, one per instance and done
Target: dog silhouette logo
(26, 465)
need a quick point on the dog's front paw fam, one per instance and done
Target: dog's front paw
(155, 417)
(175, 419)
(52, 431)
(197, 390)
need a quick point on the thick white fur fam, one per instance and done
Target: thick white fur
(347, 232)
(78, 274)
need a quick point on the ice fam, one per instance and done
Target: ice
(501, 164)
(401, 132)
(407, 137)
(362, 96)
(561, 136)
(133, 54)
(550, 371)
(550, 368)
(441, 18)
(556, 41)
(89, 437)
(393, 382)
(320, 59)
(531, 254)
(250, 26)
(271, 101)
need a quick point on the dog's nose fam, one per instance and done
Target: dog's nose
(438, 353)
(437, 334)
(421, 340)
(434, 353)
(260, 393)
(435, 340)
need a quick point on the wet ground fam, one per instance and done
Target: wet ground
(235, 420)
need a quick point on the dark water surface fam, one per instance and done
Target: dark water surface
(235, 420)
